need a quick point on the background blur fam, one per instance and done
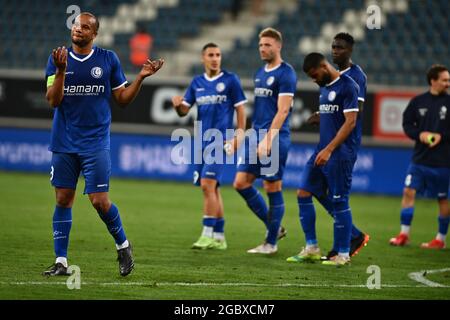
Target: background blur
(413, 35)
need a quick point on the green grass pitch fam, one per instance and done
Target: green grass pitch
(163, 219)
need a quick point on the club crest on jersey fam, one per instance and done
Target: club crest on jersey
(422, 111)
(443, 113)
(220, 87)
(96, 72)
(331, 95)
(270, 80)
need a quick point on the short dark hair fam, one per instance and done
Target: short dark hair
(312, 61)
(209, 45)
(434, 71)
(347, 37)
(97, 23)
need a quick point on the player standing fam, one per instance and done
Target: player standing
(330, 167)
(80, 82)
(342, 48)
(275, 86)
(218, 94)
(426, 121)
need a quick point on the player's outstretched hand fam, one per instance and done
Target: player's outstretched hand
(151, 67)
(59, 56)
(314, 119)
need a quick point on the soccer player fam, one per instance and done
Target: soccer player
(275, 85)
(330, 167)
(80, 82)
(218, 94)
(342, 48)
(426, 121)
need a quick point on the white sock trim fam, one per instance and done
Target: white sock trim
(219, 236)
(405, 229)
(62, 260)
(123, 245)
(208, 231)
(441, 237)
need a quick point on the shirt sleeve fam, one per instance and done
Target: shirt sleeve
(350, 103)
(189, 96)
(288, 83)
(118, 78)
(50, 71)
(409, 121)
(362, 83)
(237, 94)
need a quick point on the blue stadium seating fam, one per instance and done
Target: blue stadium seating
(399, 53)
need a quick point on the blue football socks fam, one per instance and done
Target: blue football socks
(406, 216)
(276, 213)
(342, 227)
(443, 224)
(307, 214)
(255, 202)
(114, 224)
(62, 222)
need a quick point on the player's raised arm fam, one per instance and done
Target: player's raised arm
(55, 82)
(124, 96)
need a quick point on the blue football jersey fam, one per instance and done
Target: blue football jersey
(82, 121)
(357, 74)
(216, 99)
(337, 98)
(269, 85)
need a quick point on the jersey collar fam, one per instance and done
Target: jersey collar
(213, 78)
(81, 59)
(272, 69)
(333, 82)
(345, 70)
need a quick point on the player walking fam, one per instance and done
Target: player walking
(218, 94)
(275, 86)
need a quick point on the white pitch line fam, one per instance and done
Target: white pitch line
(212, 284)
(420, 277)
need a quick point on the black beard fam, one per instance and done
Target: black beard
(325, 80)
(80, 43)
(338, 61)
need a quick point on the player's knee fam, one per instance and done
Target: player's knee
(341, 205)
(240, 184)
(208, 188)
(408, 196)
(303, 193)
(272, 186)
(100, 204)
(65, 199)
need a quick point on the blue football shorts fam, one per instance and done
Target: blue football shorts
(334, 179)
(432, 182)
(268, 169)
(212, 165)
(95, 166)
